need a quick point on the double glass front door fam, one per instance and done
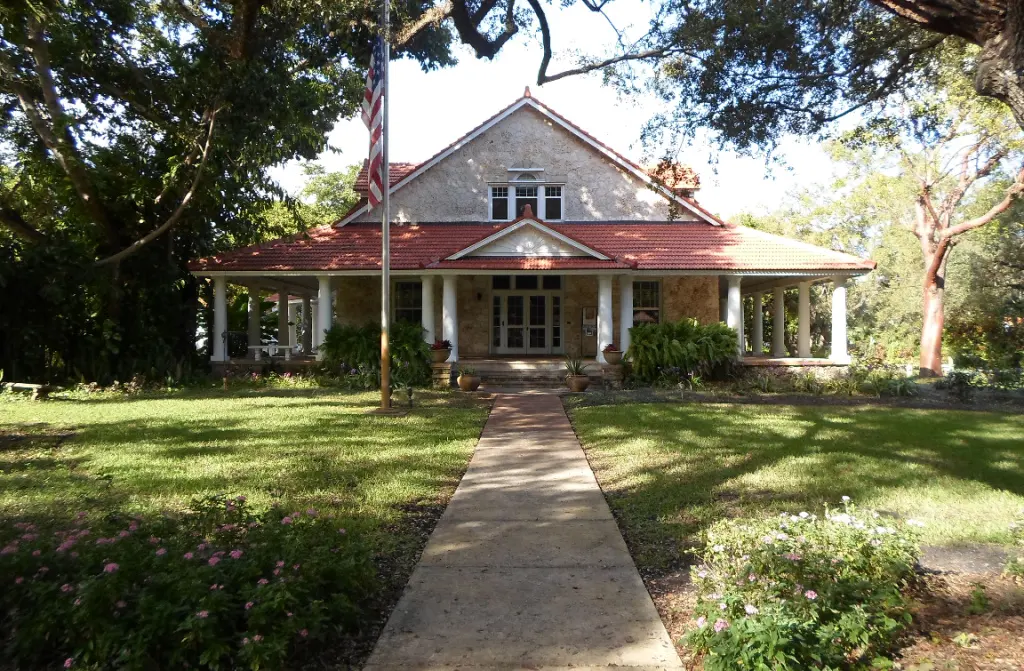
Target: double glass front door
(526, 323)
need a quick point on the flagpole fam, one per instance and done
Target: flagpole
(385, 226)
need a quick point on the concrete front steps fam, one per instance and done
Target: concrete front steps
(546, 372)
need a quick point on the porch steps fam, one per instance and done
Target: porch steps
(527, 372)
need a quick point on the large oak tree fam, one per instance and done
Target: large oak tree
(138, 135)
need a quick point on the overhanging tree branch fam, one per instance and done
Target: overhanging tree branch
(432, 17)
(176, 215)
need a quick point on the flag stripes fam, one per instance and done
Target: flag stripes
(373, 106)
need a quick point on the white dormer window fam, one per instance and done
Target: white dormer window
(508, 202)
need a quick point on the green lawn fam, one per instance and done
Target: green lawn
(669, 470)
(303, 447)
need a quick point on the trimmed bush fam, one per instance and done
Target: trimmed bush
(354, 351)
(679, 351)
(219, 587)
(801, 592)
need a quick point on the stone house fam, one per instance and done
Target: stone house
(528, 237)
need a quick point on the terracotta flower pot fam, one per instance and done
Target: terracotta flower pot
(577, 383)
(440, 355)
(613, 357)
(468, 382)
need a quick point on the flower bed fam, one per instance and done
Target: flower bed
(802, 592)
(220, 586)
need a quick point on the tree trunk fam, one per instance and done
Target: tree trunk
(934, 321)
(1000, 72)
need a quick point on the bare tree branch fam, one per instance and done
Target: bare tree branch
(176, 215)
(1012, 194)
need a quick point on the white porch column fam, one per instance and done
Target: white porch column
(839, 352)
(734, 311)
(293, 321)
(779, 324)
(803, 337)
(427, 301)
(282, 317)
(307, 325)
(625, 310)
(219, 350)
(757, 337)
(605, 327)
(324, 314)
(450, 315)
(254, 317)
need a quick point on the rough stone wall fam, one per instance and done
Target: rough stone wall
(358, 300)
(474, 315)
(695, 296)
(456, 189)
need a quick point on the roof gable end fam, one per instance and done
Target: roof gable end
(607, 152)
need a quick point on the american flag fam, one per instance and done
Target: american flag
(373, 105)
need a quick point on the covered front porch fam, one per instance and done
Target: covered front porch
(526, 316)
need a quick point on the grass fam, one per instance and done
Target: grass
(301, 447)
(669, 470)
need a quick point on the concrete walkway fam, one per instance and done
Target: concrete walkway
(526, 569)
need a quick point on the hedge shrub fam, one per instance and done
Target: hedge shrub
(219, 587)
(679, 351)
(355, 351)
(800, 592)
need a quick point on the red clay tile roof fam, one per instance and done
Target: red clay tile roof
(397, 171)
(640, 245)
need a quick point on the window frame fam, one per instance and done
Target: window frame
(648, 308)
(490, 201)
(561, 201)
(511, 198)
(395, 307)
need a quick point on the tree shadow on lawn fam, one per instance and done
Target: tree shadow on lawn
(699, 463)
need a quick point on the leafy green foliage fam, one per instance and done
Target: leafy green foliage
(1015, 567)
(751, 72)
(355, 350)
(219, 586)
(126, 120)
(799, 592)
(682, 349)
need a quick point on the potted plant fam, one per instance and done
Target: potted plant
(576, 374)
(440, 351)
(468, 379)
(612, 355)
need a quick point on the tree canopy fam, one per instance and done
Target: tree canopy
(136, 136)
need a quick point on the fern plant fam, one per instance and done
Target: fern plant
(687, 345)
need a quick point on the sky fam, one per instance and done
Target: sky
(429, 110)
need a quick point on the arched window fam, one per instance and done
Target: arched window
(527, 177)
